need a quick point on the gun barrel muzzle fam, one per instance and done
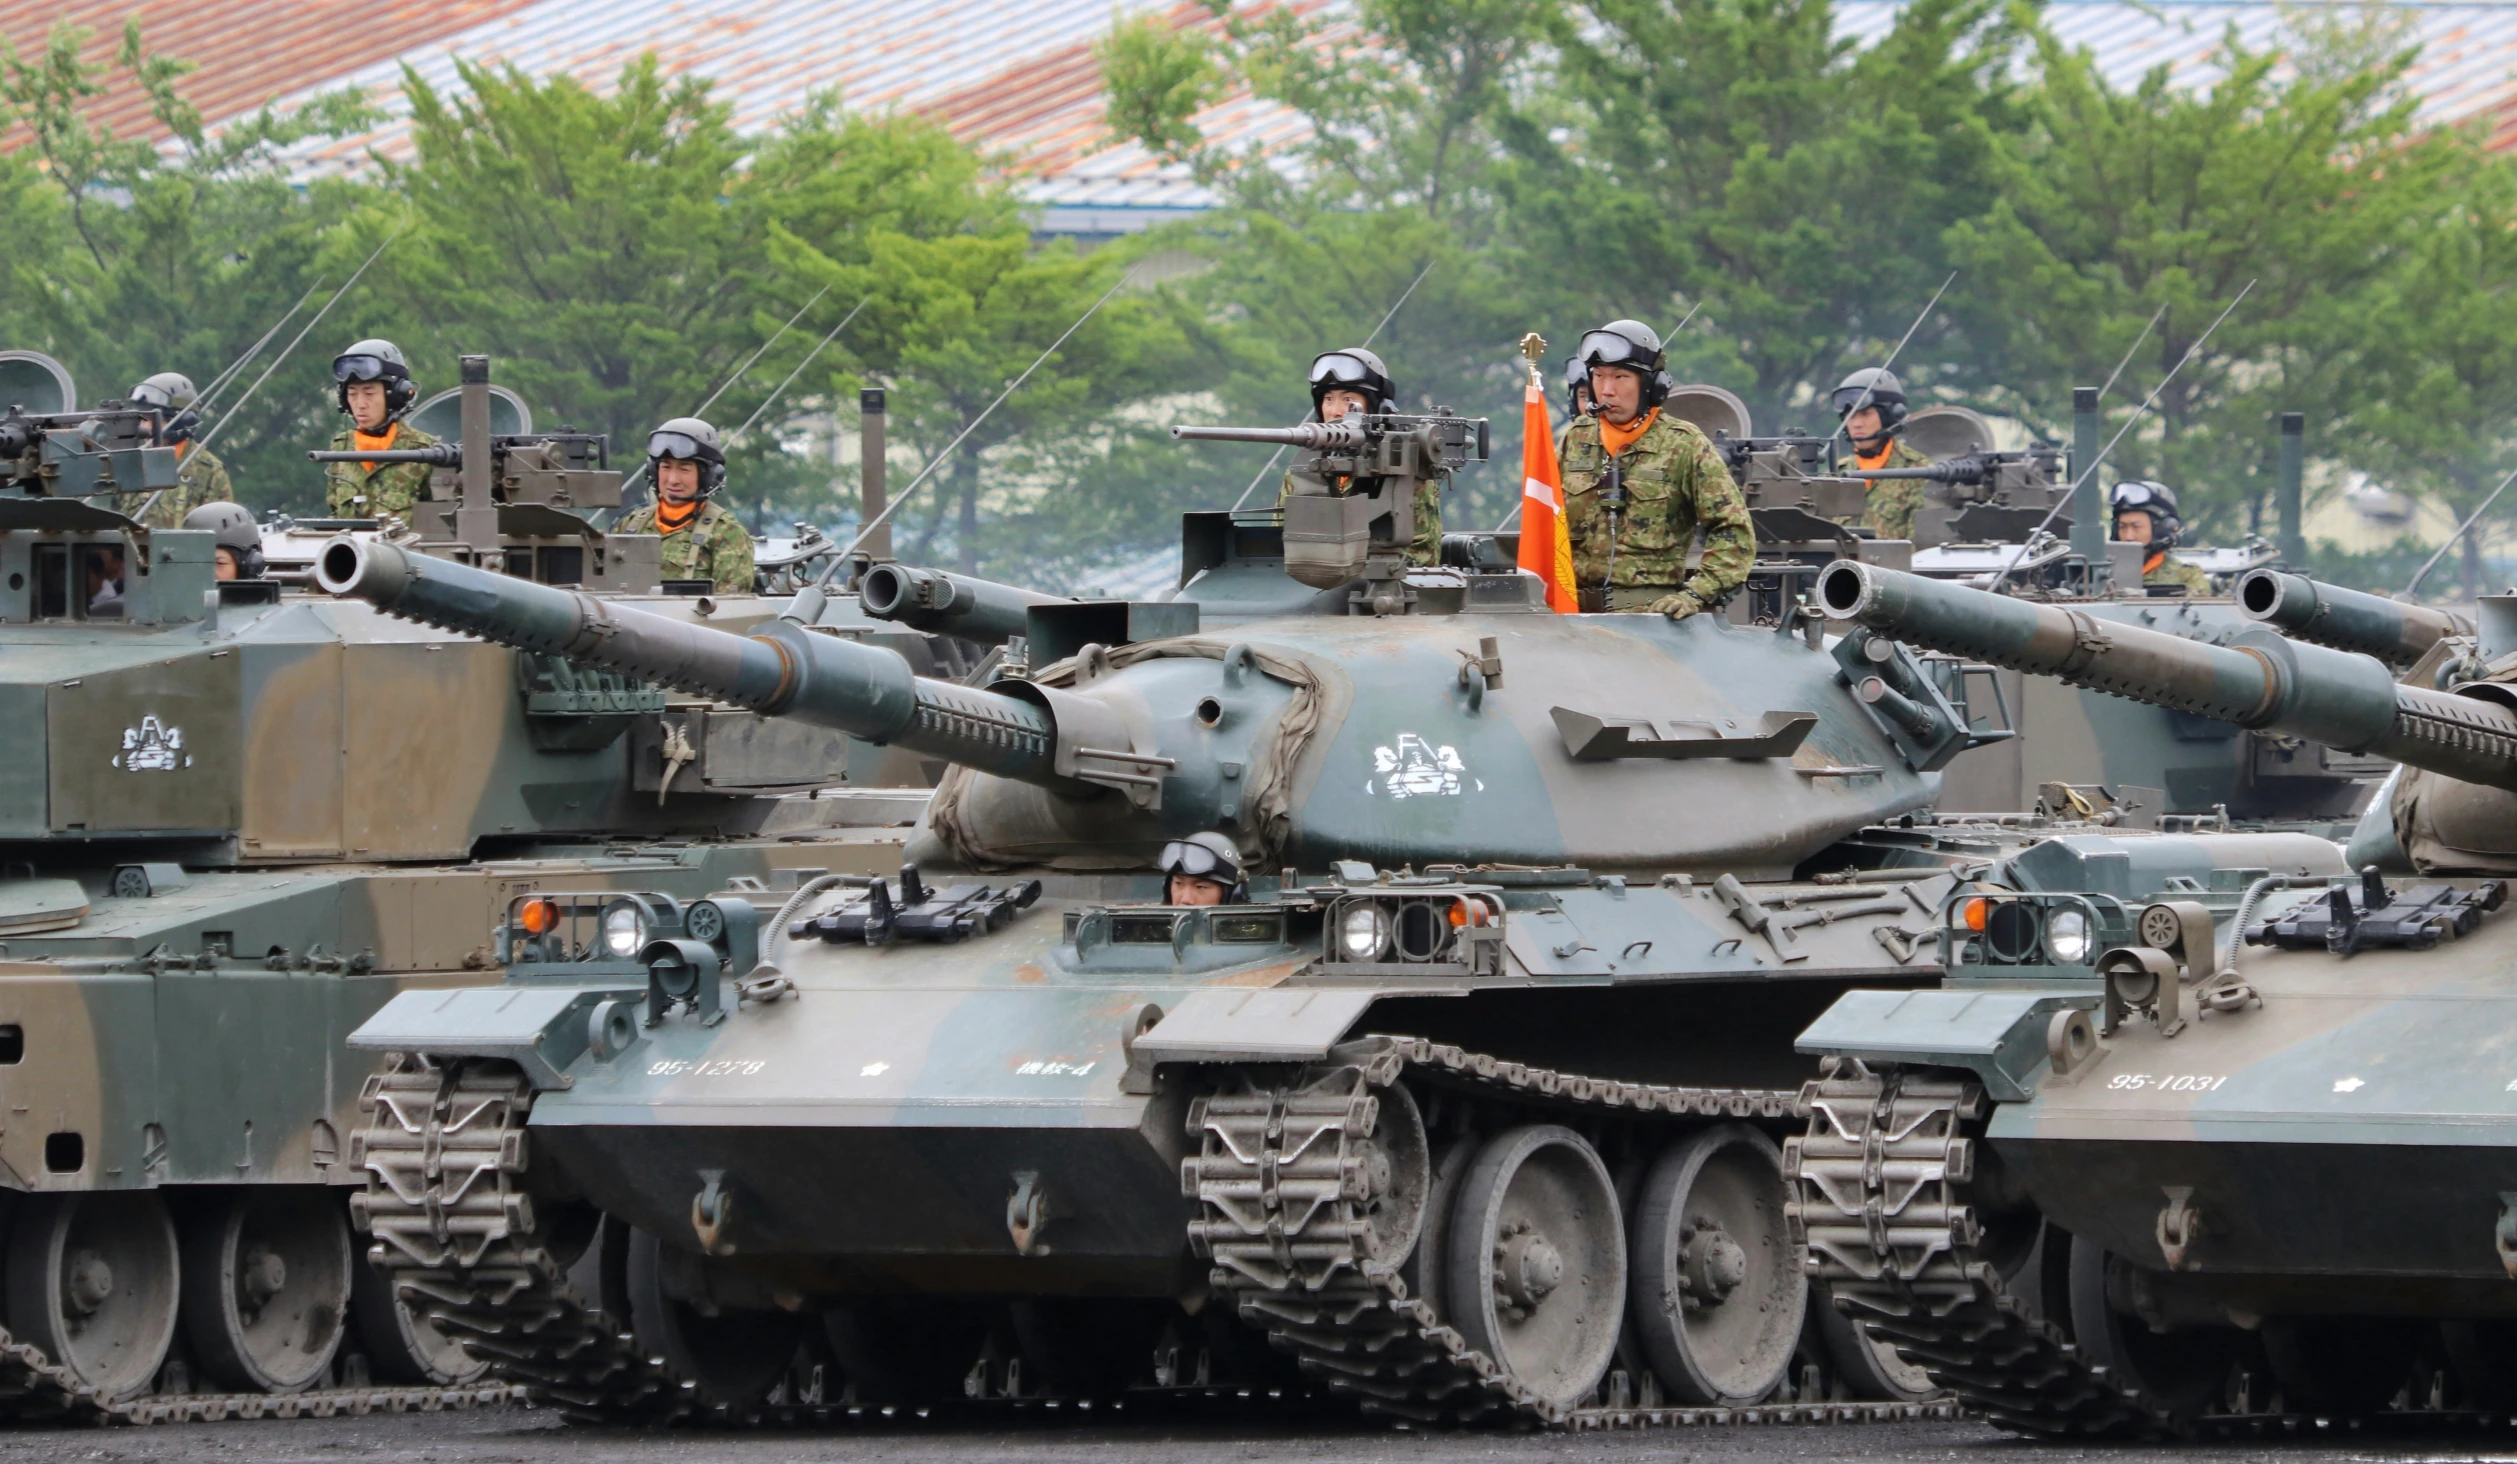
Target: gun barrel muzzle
(1338, 436)
(444, 455)
(2347, 620)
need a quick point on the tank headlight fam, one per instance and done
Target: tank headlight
(624, 931)
(1363, 932)
(2067, 936)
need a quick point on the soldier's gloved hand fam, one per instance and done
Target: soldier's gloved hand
(1678, 606)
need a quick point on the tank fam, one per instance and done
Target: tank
(236, 820)
(1469, 1107)
(2172, 1156)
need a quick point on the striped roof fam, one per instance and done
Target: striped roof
(1017, 76)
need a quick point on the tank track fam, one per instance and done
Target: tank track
(1279, 1178)
(445, 1150)
(1879, 1183)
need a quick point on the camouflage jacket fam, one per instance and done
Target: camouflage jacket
(712, 546)
(1676, 482)
(353, 491)
(199, 478)
(1890, 507)
(1426, 547)
(2170, 570)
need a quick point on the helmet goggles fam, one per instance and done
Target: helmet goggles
(1336, 368)
(346, 369)
(149, 394)
(1198, 861)
(1608, 348)
(2138, 496)
(675, 445)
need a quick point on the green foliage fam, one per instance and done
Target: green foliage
(1157, 78)
(124, 258)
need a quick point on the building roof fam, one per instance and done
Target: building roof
(1018, 76)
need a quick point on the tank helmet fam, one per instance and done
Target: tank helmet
(693, 440)
(172, 393)
(2148, 495)
(232, 527)
(1577, 387)
(376, 359)
(1628, 345)
(1352, 369)
(1873, 386)
(1207, 855)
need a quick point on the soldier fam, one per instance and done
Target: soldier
(374, 387)
(1637, 486)
(199, 476)
(2145, 513)
(1203, 869)
(701, 540)
(1356, 381)
(1871, 405)
(238, 539)
(1577, 389)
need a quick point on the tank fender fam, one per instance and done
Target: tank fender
(541, 1029)
(1240, 1024)
(1999, 1035)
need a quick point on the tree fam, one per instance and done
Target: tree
(125, 258)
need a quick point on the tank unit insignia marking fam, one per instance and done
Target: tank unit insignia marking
(1411, 767)
(152, 747)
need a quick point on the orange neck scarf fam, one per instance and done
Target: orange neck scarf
(673, 517)
(1862, 459)
(375, 441)
(1617, 439)
(2151, 564)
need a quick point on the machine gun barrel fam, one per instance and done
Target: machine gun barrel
(443, 455)
(1970, 470)
(783, 670)
(2261, 680)
(1343, 436)
(2347, 620)
(952, 604)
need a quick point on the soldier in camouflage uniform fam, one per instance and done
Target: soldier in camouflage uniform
(199, 476)
(1871, 405)
(1356, 381)
(1638, 485)
(2145, 513)
(702, 541)
(374, 388)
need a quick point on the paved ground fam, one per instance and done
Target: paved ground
(521, 1436)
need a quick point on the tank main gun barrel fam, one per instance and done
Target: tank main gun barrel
(2263, 680)
(2347, 620)
(443, 455)
(952, 604)
(1057, 739)
(1345, 435)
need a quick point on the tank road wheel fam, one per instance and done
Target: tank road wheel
(1537, 1273)
(2184, 1371)
(1717, 1289)
(266, 1286)
(730, 1359)
(1423, 1268)
(402, 1345)
(93, 1281)
(2341, 1367)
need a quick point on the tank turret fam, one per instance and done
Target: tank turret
(2259, 680)
(2347, 620)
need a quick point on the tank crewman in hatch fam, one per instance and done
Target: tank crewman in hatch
(199, 476)
(1203, 869)
(374, 387)
(1354, 380)
(238, 539)
(2145, 513)
(1871, 405)
(1638, 484)
(702, 541)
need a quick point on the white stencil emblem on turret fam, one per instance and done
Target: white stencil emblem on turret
(1415, 768)
(152, 747)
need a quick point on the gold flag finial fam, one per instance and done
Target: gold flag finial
(1534, 346)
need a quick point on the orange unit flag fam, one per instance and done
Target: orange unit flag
(1546, 548)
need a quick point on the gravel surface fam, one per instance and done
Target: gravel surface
(524, 1436)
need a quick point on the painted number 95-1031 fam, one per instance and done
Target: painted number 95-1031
(2174, 1083)
(723, 1068)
